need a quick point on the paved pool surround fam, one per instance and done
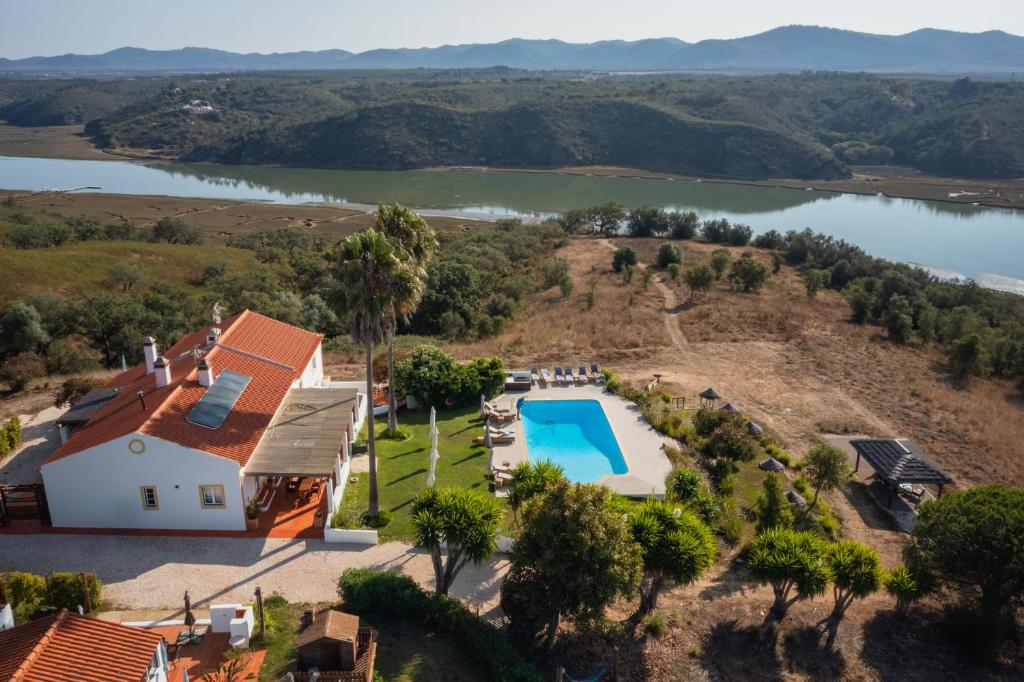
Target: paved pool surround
(641, 445)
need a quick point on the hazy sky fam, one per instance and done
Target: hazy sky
(46, 27)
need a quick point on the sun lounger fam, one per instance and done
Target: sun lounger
(535, 374)
(545, 376)
(501, 479)
(559, 378)
(595, 372)
(583, 375)
(493, 407)
(500, 418)
(568, 375)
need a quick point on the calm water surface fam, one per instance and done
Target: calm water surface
(986, 243)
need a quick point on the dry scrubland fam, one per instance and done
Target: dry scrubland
(803, 370)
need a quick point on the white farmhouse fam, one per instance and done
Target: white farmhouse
(224, 418)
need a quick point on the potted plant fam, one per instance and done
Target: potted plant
(252, 515)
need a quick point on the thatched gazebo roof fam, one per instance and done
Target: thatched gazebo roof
(754, 429)
(730, 408)
(709, 394)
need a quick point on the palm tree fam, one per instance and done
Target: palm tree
(419, 243)
(369, 269)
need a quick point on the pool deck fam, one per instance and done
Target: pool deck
(641, 445)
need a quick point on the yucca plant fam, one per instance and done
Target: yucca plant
(793, 563)
(856, 573)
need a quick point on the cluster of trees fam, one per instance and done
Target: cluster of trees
(34, 595)
(27, 231)
(433, 377)
(982, 330)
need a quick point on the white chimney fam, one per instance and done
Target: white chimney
(149, 349)
(163, 371)
(205, 371)
(212, 336)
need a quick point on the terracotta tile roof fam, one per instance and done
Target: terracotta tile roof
(273, 353)
(66, 646)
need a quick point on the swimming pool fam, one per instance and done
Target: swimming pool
(575, 434)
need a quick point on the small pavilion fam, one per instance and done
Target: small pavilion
(899, 462)
(708, 397)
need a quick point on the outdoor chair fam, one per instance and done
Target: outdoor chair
(559, 378)
(545, 375)
(583, 375)
(595, 372)
(535, 375)
(568, 375)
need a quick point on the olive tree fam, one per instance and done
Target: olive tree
(699, 280)
(748, 274)
(792, 562)
(826, 467)
(574, 555)
(675, 545)
(460, 521)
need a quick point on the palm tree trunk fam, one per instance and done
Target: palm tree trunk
(371, 449)
(392, 407)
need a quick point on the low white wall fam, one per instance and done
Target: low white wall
(350, 536)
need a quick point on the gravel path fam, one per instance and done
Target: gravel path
(154, 572)
(39, 438)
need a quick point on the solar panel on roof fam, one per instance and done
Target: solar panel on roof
(213, 408)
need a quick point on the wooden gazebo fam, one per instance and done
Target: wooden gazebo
(898, 462)
(708, 397)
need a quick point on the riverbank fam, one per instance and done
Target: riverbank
(70, 142)
(217, 217)
(898, 183)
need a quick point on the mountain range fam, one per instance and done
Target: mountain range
(784, 49)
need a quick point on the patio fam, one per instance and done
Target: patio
(198, 659)
(895, 473)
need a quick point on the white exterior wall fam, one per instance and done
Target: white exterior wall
(313, 374)
(100, 487)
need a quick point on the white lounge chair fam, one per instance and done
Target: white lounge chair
(545, 376)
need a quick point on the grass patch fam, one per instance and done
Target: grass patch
(403, 464)
(409, 652)
(81, 268)
(282, 620)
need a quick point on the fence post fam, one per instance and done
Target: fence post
(259, 609)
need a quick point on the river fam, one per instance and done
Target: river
(950, 239)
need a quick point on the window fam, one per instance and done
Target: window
(150, 502)
(211, 496)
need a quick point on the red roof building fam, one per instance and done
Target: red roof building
(166, 444)
(67, 646)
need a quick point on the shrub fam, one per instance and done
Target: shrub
(398, 596)
(748, 274)
(624, 256)
(772, 507)
(669, 254)
(176, 231)
(555, 272)
(699, 280)
(566, 286)
(685, 484)
(655, 624)
(73, 389)
(683, 225)
(720, 259)
(69, 592)
(379, 520)
(705, 505)
(814, 280)
(432, 376)
(673, 270)
(10, 435)
(907, 585)
(20, 369)
(731, 441)
(731, 526)
(26, 592)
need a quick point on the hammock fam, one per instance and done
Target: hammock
(596, 677)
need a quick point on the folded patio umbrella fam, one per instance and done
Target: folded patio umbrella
(431, 477)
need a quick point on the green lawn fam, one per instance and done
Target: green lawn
(402, 465)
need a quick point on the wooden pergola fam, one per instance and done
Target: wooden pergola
(898, 462)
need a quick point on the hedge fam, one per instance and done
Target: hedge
(397, 595)
(10, 435)
(29, 597)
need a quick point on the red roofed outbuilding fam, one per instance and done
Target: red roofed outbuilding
(67, 646)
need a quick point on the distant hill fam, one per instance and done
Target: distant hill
(789, 48)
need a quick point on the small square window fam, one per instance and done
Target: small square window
(150, 501)
(211, 496)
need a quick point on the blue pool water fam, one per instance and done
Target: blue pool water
(574, 434)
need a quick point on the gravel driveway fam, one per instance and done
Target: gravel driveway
(154, 572)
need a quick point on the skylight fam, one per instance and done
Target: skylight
(213, 408)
